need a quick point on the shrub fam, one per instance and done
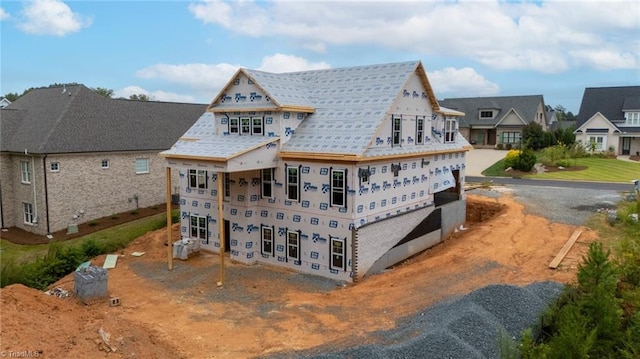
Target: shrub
(526, 160)
(134, 212)
(551, 155)
(508, 146)
(511, 158)
(115, 216)
(563, 163)
(500, 146)
(93, 223)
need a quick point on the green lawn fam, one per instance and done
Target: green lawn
(598, 169)
(123, 233)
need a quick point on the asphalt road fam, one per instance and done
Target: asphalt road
(606, 186)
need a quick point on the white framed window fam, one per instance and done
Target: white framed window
(233, 125)
(597, 143)
(105, 164)
(396, 130)
(25, 169)
(266, 178)
(419, 130)
(142, 165)
(510, 137)
(267, 240)
(54, 166)
(338, 253)
(293, 245)
(256, 126)
(293, 183)
(198, 227)
(227, 186)
(245, 126)
(450, 130)
(338, 188)
(27, 209)
(632, 118)
(198, 179)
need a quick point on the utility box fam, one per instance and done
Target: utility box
(90, 283)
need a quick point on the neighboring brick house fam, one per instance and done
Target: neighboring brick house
(69, 155)
(340, 172)
(489, 121)
(609, 119)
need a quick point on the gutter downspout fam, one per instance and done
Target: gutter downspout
(46, 192)
(1, 209)
(35, 190)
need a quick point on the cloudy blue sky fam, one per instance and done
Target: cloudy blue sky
(187, 50)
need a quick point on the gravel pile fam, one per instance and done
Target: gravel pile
(468, 327)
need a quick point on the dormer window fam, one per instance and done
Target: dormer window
(486, 114)
(632, 118)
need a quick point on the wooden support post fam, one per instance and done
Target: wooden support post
(221, 235)
(169, 240)
(563, 252)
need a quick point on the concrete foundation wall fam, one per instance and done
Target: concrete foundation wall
(454, 214)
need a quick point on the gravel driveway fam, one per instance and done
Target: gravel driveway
(564, 205)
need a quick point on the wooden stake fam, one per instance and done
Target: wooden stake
(169, 240)
(563, 252)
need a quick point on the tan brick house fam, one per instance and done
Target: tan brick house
(69, 155)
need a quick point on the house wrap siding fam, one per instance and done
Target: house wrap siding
(82, 184)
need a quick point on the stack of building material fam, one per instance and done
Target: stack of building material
(90, 284)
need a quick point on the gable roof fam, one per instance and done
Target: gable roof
(609, 101)
(75, 119)
(525, 107)
(346, 105)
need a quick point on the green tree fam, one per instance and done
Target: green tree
(139, 97)
(12, 96)
(532, 135)
(104, 91)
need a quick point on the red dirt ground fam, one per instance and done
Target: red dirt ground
(158, 318)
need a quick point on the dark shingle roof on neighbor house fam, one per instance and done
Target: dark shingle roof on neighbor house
(609, 101)
(526, 107)
(76, 119)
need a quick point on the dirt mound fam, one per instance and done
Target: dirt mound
(263, 310)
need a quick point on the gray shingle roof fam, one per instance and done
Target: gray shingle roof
(525, 106)
(48, 120)
(609, 101)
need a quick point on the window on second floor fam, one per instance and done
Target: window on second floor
(338, 188)
(25, 169)
(293, 183)
(419, 130)
(396, 130)
(632, 118)
(105, 164)
(266, 177)
(256, 126)
(142, 165)
(227, 186)
(54, 166)
(198, 179)
(450, 130)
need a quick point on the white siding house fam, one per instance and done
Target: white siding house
(339, 173)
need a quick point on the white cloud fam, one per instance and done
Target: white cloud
(51, 17)
(153, 95)
(206, 80)
(547, 36)
(4, 15)
(464, 82)
(289, 63)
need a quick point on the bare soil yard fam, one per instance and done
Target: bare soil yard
(263, 310)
